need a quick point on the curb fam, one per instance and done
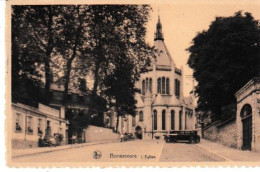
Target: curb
(71, 147)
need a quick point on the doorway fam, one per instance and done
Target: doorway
(246, 115)
(138, 132)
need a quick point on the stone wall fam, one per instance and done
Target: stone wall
(97, 134)
(224, 133)
(22, 144)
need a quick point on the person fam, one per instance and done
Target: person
(121, 137)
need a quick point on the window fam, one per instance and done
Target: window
(146, 84)
(150, 85)
(180, 120)
(186, 114)
(29, 124)
(172, 120)
(39, 126)
(18, 122)
(133, 121)
(163, 120)
(177, 87)
(246, 111)
(159, 85)
(143, 87)
(141, 116)
(163, 85)
(155, 120)
(167, 86)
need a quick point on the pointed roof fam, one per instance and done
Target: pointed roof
(174, 101)
(159, 100)
(163, 58)
(158, 33)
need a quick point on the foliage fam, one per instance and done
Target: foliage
(63, 43)
(114, 29)
(224, 58)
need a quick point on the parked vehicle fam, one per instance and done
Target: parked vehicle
(190, 136)
(128, 136)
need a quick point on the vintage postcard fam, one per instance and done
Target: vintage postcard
(132, 83)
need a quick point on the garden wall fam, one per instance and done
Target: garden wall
(224, 133)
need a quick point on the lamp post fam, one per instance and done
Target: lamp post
(152, 124)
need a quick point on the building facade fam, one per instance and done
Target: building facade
(248, 116)
(161, 106)
(30, 124)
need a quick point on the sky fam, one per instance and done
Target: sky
(181, 23)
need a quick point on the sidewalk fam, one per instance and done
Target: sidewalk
(229, 154)
(39, 150)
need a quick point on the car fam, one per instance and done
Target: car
(190, 136)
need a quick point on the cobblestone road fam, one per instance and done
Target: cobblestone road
(183, 152)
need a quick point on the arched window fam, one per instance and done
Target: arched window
(246, 111)
(180, 120)
(177, 87)
(150, 85)
(167, 86)
(146, 84)
(141, 116)
(143, 87)
(172, 120)
(163, 85)
(155, 120)
(159, 86)
(133, 121)
(163, 120)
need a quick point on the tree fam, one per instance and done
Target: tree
(72, 23)
(120, 88)
(122, 54)
(114, 26)
(115, 32)
(26, 76)
(224, 58)
(37, 35)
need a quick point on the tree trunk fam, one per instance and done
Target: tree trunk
(96, 79)
(70, 60)
(48, 57)
(67, 81)
(117, 120)
(117, 123)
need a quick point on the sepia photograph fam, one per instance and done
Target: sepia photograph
(117, 84)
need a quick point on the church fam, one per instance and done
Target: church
(161, 106)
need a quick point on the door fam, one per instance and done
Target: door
(247, 133)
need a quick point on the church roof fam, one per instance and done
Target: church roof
(159, 100)
(174, 101)
(163, 58)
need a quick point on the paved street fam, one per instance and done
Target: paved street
(127, 151)
(183, 152)
(130, 151)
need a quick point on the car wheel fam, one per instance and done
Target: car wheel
(191, 141)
